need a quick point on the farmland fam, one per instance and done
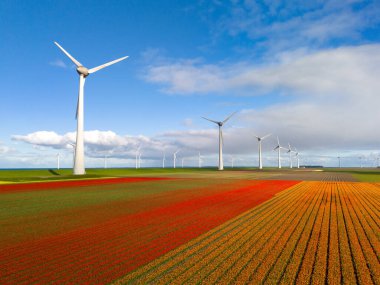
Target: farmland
(189, 226)
(332, 236)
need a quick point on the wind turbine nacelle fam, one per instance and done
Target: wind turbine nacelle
(82, 71)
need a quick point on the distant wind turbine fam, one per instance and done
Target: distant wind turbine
(339, 160)
(290, 156)
(260, 139)
(278, 148)
(199, 160)
(297, 157)
(58, 156)
(220, 125)
(163, 160)
(182, 161)
(140, 159)
(175, 158)
(83, 73)
(137, 157)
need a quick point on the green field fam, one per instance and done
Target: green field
(355, 174)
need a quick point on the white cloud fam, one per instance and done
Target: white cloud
(284, 25)
(339, 71)
(332, 94)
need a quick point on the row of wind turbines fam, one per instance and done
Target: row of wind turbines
(79, 168)
(259, 139)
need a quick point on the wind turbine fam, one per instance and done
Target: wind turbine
(83, 73)
(58, 160)
(163, 160)
(297, 157)
(339, 160)
(199, 160)
(220, 124)
(175, 158)
(259, 139)
(279, 147)
(182, 161)
(290, 156)
(140, 159)
(137, 157)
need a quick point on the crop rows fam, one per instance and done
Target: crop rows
(315, 232)
(107, 251)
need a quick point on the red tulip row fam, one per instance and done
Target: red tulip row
(104, 252)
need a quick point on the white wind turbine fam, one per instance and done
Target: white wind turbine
(278, 148)
(83, 73)
(175, 158)
(259, 139)
(297, 157)
(220, 125)
(137, 157)
(140, 159)
(199, 160)
(163, 160)
(105, 161)
(339, 160)
(58, 156)
(290, 156)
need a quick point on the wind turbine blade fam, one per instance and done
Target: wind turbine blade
(95, 69)
(77, 63)
(264, 137)
(211, 120)
(76, 113)
(277, 147)
(278, 141)
(229, 117)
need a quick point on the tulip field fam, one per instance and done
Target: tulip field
(184, 229)
(312, 233)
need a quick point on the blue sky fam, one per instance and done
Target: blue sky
(307, 72)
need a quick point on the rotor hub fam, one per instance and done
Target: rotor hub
(82, 71)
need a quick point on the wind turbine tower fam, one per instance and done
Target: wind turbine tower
(175, 158)
(339, 160)
(137, 157)
(163, 161)
(297, 157)
(83, 73)
(58, 156)
(278, 148)
(290, 156)
(220, 125)
(199, 160)
(140, 160)
(260, 139)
